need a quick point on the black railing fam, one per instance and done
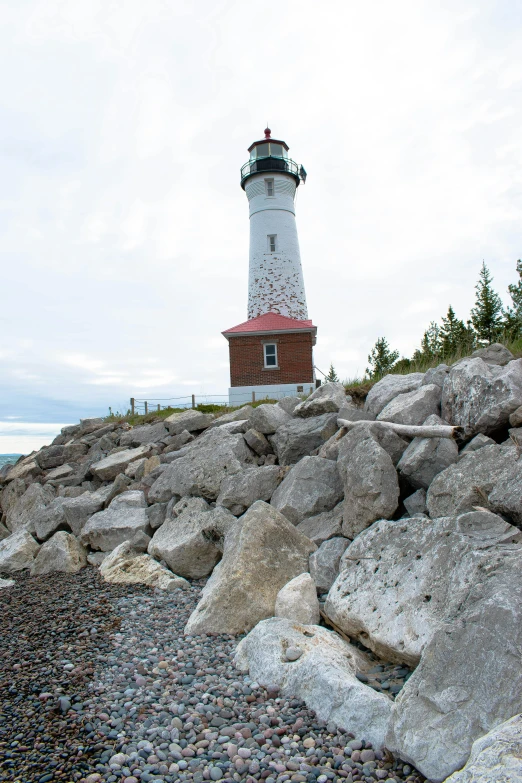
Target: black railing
(258, 165)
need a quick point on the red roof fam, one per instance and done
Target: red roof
(270, 323)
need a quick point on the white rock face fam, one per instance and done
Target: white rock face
(480, 397)
(413, 407)
(496, 757)
(400, 581)
(389, 387)
(324, 564)
(311, 487)
(262, 551)
(297, 601)
(127, 566)
(299, 437)
(328, 398)
(18, 551)
(109, 467)
(323, 526)
(34, 501)
(239, 491)
(7, 583)
(323, 676)
(63, 552)
(125, 517)
(268, 418)
(427, 457)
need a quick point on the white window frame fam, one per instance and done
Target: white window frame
(270, 185)
(272, 240)
(270, 366)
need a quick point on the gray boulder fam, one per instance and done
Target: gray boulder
(4, 532)
(24, 511)
(399, 581)
(392, 443)
(78, 510)
(156, 515)
(426, 457)
(262, 551)
(50, 519)
(324, 564)
(389, 387)
(436, 375)
(268, 418)
(323, 526)
(515, 418)
(478, 442)
(176, 442)
(18, 551)
(90, 425)
(311, 487)
(190, 539)
(241, 414)
(323, 676)
(146, 433)
(62, 472)
(63, 552)
(257, 442)
(125, 516)
(413, 407)
(108, 468)
(495, 757)
(10, 494)
(190, 420)
(55, 456)
(127, 565)
(480, 397)
(299, 437)
(27, 469)
(239, 491)
(297, 601)
(289, 404)
(328, 398)
(416, 503)
(496, 353)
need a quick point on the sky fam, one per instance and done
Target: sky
(123, 228)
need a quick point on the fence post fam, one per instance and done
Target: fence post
(159, 407)
(193, 400)
(132, 405)
(253, 396)
(146, 407)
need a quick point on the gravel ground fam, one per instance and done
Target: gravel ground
(99, 684)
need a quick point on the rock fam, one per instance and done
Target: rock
(436, 375)
(18, 551)
(297, 601)
(323, 676)
(299, 437)
(257, 442)
(392, 443)
(330, 449)
(156, 515)
(311, 487)
(107, 469)
(496, 353)
(389, 387)
(371, 485)
(10, 494)
(262, 552)
(23, 512)
(323, 526)
(7, 583)
(190, 420)
(96, 558)
(239, 491)
(50, 457)
(469, 677)
(515, 418)
(413, 407)
(146, 433)
(78, 510)
(268, 418)
(125, 565)
(50, 519)
(427, 457)
(480, 397)
(56, 474)
(63, 552)
(399, 581)
(147, 467)
(4, 532)
(416, 503)
(121, 484)
(201, 470)
(130, 470)
(125, 517)
(175, 442)
(495, 757)
(26, 469)
(328, 398)
(324, 564)
(241, 414)
(476, 443)
(189, 541)
(289, 404)
(90, 425)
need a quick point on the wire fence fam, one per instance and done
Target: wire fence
(144, 406)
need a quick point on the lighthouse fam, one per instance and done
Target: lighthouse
(271, 354)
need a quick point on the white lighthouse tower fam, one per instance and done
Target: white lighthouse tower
(270, 180)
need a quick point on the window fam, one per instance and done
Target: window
(270, 355)
(269, 187)
(272, 243)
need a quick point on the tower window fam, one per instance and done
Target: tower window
(269, 186)
(270, 350)
(272, 243)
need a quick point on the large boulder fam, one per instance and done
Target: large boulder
(257, 442)
(399, 581)
(324, 564)
(425, 458)
(496, 353)
(268, 418)
(480, 397)
(24, 511)
(323, 526)
(311, 487)
(436, 375)
(469, 679)
(241, 414)
(389, 387)
(262, 551)
(202, 468)
(300, 437)
(413, 407)
(127, 565)
(78, 510)
(190, 420)
(297, 601)
(146, 433)
(10, 494)
(190, 539)
(63, 552)
(239, 491)
(125, 516)
(310, 663)
(392, 443)
(108, 468)
(328, 398)
(496, 757)
(26, 468)
(50, 519)
(18, 551)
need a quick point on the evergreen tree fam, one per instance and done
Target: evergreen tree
(486, 316)
(513, 315)
(381, 359)
(455, 336)
(331, 377)
(430, 347)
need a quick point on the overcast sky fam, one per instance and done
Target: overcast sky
(124, 231)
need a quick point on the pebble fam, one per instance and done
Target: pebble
(293, 653)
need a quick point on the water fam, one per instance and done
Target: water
(8, 458)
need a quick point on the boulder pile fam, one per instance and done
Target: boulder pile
(397, 524)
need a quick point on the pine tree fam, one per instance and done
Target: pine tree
(331, 377)
(513, 315)
(430, 347)
(381, 359)
(455, 336)
(486, 316)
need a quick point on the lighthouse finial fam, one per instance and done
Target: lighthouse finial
(267, 132)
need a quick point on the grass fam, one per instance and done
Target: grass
(155, 416)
